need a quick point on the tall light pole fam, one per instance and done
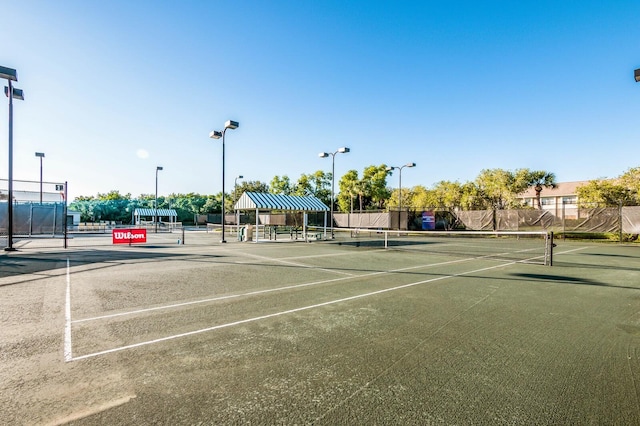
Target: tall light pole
(400, 187)
(10, 75)
(235, 197)
(230, 124)
(235, 186)
(41, 155)
(155, 204)
(342, 150)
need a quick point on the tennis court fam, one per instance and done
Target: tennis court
(447, 331)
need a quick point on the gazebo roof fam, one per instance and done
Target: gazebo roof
(265, 201)
(152, 212)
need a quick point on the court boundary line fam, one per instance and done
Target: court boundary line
(286, 312)
(70, 358)
(270, 290)
(289, 287)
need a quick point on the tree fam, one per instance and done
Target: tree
(539, 179)
(495, 185)
(349, 186)
(448, 194)
(604, 192)
(374, 183)
(421, 198)
(472, 198)
(113, 195)
(631, 180)
(500, 188)
(249, 186)
(280, 185)
(316, 184)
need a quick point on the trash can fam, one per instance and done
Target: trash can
(249, 233)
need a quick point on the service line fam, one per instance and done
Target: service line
(290, 311)
(270, 290)
(68, 353)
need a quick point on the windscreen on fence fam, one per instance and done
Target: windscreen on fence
(574, 219)
(34, 219)
(631, 220)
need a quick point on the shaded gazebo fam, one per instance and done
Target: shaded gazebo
(265, 202)
(170, 214)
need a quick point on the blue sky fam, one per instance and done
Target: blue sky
(455, 87)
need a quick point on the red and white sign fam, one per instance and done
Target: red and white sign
(129, 236)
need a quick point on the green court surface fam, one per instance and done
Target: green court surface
(325, 332)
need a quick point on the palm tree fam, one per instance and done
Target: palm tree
(540, 179)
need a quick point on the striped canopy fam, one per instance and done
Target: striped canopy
(152, 212)
(265, 201)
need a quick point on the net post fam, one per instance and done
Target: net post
(551, 244)
(386, 237)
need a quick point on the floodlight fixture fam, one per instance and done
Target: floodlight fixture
(17, 93)
(230, 124)
(8, 74)
(389, 168)
(342, 150)
(636, 74)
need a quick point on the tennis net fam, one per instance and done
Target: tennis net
(515, 246)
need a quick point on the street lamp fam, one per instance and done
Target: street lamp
(155, 212)
(235, 197)
(400, 186)
(342, 150)
(230, 124)
(235, 186)
(41, 155)
(10, 75)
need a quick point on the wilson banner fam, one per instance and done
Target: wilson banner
(129, 236)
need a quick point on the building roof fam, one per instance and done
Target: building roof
(563, 189)
(152, 212)
(265, 201)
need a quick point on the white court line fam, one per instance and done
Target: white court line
(290, 311)
(284, 312)
(570, 251)
(67, 314)
(271, 290)
(299, 265)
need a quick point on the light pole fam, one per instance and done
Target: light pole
(230, 124)
(400, 187)
(10, 75)
(235, 186)
(342, 150)
(235, 197)
(41, 155)
(155, 204)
